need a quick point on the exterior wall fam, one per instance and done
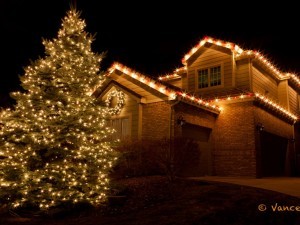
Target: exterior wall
(273, 124)
(131, 111)
(243, 74)
(198, 126)
(264, 84)
(212, 56)
(175, 82)
(293, 100)
(156, 121)
(283, 93)
(192, 115)
(184, 82)
(297, 147)
(234, 153)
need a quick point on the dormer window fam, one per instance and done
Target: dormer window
(209, 77)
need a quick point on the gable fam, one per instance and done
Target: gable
(113, 85)
(147, 94)
(209, 53)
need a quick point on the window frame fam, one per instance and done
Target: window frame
(208, 68)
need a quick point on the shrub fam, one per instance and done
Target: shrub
(156, 157)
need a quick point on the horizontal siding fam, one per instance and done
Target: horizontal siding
(191, 81)
(264, 84)
(209, 58)
(131, 109)
(242, 75)
(293, 100)
(283, 93)
(176, 82)
(184, 82)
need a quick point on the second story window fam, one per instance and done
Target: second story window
(209, 77)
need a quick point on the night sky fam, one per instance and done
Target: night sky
(150, 38)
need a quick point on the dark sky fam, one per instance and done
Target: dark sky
(150, 38)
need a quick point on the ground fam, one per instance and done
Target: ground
(155, 200)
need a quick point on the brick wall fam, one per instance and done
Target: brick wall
(156, 121)
(234, 135)
(273, 124)
(192, 115)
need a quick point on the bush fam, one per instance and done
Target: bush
(157, 157)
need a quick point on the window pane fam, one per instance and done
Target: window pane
(215, 76)
(203, 78)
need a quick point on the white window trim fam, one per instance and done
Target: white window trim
(208, 67)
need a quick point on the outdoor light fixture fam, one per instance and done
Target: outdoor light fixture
(292, 140)
(260, 127)
(181, 121)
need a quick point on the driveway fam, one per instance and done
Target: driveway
(286, 185)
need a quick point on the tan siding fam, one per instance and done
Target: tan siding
(242, 75)
(176, 82)
(191, 81)
(209, 58)
(184, 82)
(264, 84)
(293, 100)
(283, 97)
(131, 111)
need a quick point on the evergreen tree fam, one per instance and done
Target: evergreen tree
(53, 144)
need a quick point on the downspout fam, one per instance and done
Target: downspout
(294, 149)
(171, 131)
(171, 139)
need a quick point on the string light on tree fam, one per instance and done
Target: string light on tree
(54, 146)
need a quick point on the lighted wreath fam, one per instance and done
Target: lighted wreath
(120, 101)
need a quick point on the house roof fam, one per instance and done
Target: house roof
(240, 53)
(212, 105)
(112, 83)
(173, 93)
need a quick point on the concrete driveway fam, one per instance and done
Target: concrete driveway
(286, 185)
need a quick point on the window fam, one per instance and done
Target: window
(122, 127)
(209, 77)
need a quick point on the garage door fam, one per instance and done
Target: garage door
(273, 154)
(199, 162)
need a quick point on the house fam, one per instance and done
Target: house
(241, 110)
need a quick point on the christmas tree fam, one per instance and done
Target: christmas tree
(54, 144)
